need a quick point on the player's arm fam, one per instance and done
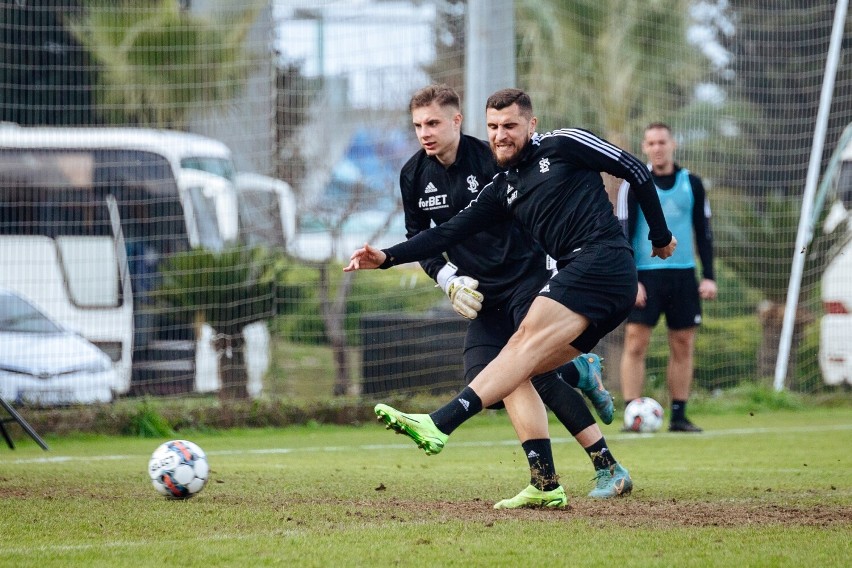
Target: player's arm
(481, 214)
(701, 227)
(703, 238)
(590, 151)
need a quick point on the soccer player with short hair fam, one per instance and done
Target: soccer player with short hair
(669, 286)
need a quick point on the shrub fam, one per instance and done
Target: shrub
(725, 353)
(403, 289)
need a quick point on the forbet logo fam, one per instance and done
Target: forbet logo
(433, 202)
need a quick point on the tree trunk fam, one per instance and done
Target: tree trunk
(233, 374)
(771, 316)
(334, 314)
(611, 349)
(342, 383)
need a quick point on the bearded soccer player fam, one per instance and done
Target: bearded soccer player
(491, 279)
(551, 185)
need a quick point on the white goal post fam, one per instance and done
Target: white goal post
(806, 229)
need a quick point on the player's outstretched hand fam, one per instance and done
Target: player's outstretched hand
(365, 258)
(666, 251)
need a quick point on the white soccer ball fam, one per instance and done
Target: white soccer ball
(643, 415)
(178, 469)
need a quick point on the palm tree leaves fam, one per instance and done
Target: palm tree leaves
(606, 64)
(157, 63)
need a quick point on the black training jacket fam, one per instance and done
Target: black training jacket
(555, 190)
(500, 257)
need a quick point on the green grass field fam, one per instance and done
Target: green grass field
(759, 488)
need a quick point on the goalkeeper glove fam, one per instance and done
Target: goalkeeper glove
(461, 290)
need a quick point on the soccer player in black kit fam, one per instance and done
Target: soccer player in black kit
(551, 185)
(491, 279)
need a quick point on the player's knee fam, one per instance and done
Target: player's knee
(682, 342)
(634, 351)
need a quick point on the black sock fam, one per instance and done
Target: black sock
(678, 410)
(542, 471)
(569, 373)
(600, 455)
(454, 413)
(565, 402)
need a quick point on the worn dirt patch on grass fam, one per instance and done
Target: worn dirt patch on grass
(632, 513)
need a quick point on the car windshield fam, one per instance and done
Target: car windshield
(17, 315)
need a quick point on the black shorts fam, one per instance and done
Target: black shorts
(599, 282)
(492, 328)
(671, 291)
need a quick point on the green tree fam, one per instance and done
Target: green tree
(778, 58)
(229, 290)
(610, 66)
(46, 75)
(778, 64)
(156, 64)
(756, 238)
(613, 66)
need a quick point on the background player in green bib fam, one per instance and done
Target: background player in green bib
(669, 286)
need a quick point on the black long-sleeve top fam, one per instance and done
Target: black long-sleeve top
(556, 192)
(500, 257)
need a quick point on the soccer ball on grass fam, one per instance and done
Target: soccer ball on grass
(643, 415)
(178, 469)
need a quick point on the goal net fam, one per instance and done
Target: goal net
(182, 182)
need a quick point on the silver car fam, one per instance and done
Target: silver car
(42, 363)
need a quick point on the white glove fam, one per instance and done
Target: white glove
(461, 290)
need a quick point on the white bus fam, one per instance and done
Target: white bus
(87, 215)
(835, 348)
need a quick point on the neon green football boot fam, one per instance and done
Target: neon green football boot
(532, 497)
(418, 427)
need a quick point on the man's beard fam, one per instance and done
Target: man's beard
(505, 161)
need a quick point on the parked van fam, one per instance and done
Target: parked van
(835, 349)
(92, 213)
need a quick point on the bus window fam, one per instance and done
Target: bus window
(217, 166)
(142, 178)
(48, 194)
(89, 266)
(205, 218)
(260, 219)
(844, 184)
